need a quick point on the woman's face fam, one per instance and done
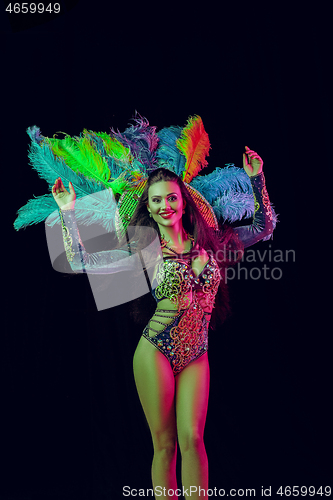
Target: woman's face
(165, 202)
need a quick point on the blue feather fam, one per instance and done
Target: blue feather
(232, 206)
(236, 206)
(214, 185)
(229, 191)
(168, 154)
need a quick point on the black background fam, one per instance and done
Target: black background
(72, 425)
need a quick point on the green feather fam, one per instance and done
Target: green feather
(81, 157)
(115, 148)
(119, 185)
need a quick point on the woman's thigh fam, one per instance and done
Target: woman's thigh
(192, 393)
(155, 384)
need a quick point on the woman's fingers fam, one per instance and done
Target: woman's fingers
(252, 154)
(249, 151)
(254, 164)
(71, 189)
(58, 187)
(54, 188)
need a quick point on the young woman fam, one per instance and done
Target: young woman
(171, 367)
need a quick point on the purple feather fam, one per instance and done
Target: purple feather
(142, 140)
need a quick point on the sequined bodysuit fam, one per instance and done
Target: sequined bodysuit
(181, 333)
(179, 326)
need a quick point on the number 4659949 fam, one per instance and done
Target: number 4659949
(27, 7)
(303, 491)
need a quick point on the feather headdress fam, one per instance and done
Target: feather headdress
(105, 166)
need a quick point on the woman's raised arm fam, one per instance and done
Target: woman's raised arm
(262, 224)
(106, 262)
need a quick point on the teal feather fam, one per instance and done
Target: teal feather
(34, 134)
(99, 208)
(167, 154)
(36, 210)
(50, 168)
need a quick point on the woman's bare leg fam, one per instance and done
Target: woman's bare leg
(192, 391)
(155, 384)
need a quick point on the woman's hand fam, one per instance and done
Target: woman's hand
(255, 164)
(64, 199)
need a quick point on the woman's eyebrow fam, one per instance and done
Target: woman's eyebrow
(159, 196)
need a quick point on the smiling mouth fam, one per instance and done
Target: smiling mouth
(166, 214)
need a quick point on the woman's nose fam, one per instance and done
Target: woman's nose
(165, 205)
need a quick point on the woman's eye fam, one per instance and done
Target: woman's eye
(157, 200)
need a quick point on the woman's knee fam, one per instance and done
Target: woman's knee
(165, 442)
(190, 439)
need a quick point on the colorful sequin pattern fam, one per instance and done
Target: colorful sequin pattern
(186, 337)
(266, 203)
(174, 282)
(68, 240)
(256, 204)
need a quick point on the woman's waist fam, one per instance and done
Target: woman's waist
(183, 301)
(192, 319)
(196, 305)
